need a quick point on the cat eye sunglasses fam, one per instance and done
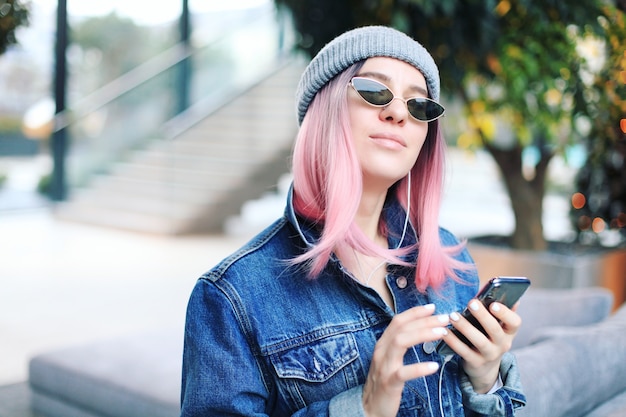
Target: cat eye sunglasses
(379, 95)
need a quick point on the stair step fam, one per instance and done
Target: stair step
(193, 182)
(197, 154)
(236, 125)
(196, 176)
(141, 204)
(158, 190)
(102, 216)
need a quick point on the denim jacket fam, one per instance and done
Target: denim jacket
(262, 339)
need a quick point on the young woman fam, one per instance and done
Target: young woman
(334, 309)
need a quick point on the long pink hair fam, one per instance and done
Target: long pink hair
(328, 186)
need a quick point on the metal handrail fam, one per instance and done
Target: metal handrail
(109, 124)
(203, 108)
(122, 85)
(133, 79)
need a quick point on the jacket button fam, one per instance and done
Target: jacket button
(401, 282)
(429, 347)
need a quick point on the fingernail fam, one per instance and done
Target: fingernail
(440, 331)
(474, 305)
(433, 366)
(495, 307)
(443, 318)
(455, 316)
(429, 306)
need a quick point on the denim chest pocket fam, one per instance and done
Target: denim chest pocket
(317, 370)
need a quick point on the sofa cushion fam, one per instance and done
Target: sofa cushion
(135, 376)
(569, 371)
(615, 407)
(540, 308)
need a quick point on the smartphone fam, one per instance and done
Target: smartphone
(505, 290)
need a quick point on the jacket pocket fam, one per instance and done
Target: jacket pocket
(317, 370)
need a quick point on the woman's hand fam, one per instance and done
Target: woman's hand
(385, 381)
(482, 363)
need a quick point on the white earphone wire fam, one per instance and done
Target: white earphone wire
(408, 211)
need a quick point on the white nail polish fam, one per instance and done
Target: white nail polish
(474, 305)
(429, 306)
(433, 366)
(443, 318)
(440, 331)
(455, 316)
(495, 307)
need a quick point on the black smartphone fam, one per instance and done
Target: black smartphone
(505, 290)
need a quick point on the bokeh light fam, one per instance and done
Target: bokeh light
(598, 225)
(578, 200)
(584, 222)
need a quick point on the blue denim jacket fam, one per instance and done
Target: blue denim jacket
(261, 339)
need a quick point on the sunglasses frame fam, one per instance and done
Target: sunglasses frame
(393, 97)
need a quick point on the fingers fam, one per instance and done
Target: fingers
(406, 373)
(499, 322)
(481, 363)
(382, 398)
(509, 319)
(388, 373)
(410, 328)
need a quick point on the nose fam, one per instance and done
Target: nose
(396, 111)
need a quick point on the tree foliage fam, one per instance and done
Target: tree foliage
(113, 44)
(600, 201)
(513, 64)
(13, 14)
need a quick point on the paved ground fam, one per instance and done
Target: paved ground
(15, 401)
(64, 284)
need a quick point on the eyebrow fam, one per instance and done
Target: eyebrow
(382, 77)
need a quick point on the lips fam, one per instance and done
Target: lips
(387, 137)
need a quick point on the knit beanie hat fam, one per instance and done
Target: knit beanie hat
(357, 45)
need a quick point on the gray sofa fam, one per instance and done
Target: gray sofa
(571, 352)
(573, 362)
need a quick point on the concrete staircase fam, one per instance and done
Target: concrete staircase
(193, 182)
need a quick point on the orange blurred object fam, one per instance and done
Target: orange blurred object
(578, 200)
(598, 225)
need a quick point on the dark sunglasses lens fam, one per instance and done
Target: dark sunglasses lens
(425, 110)
(373, 92)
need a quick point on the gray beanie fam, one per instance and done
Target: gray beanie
(357, 45)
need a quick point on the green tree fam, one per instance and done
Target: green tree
(512, 63)
(114, 45)
(13, 14)
(600, 201)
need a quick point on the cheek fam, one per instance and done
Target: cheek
(358, 116)
(359, 126)
(418, 139)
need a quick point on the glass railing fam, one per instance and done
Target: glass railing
(128, 113)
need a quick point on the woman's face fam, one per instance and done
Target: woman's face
(387, 139)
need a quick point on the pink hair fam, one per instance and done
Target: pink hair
(328, 187)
